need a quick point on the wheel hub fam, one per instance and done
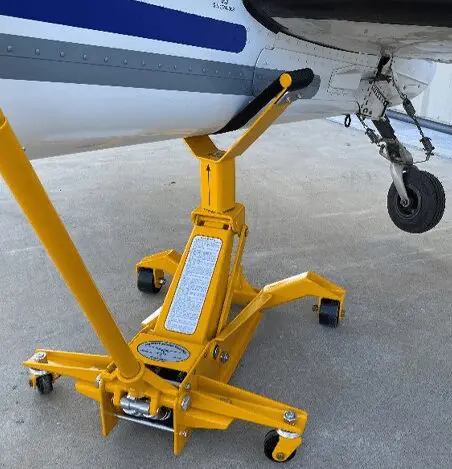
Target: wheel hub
(409, 208)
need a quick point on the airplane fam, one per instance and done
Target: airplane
(82, 75)
(77, 77)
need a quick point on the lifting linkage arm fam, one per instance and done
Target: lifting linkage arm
(24, 183)
(268, 106)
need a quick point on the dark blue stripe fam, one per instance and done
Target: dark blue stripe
(132, 18)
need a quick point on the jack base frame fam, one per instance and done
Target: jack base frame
(190, 371)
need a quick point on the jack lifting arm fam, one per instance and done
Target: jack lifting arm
(299, 79)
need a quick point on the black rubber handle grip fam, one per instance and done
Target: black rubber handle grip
(301, 79)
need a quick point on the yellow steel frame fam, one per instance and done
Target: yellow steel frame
(203, 399)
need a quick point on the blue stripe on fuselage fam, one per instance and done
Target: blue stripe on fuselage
(132, 18)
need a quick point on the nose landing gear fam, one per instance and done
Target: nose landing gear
(416, 199)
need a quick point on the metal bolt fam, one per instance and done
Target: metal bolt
(143, 63)
(290, 416)
(405, 202)
(188, 386)
(106, 59)
(216, 352)
(315, 308)
(85, 56)
(185, 403)
(9, 48)
(98, 380)
(40, 357)
(224, 357)
(62, 54)
(37, 51)
(125, 61)
(184, 433)
(162, 281)
(280, 456)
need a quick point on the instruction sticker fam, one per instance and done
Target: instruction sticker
(163, 351)
(191, 291)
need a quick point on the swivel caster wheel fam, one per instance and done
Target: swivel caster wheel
(146, 282)
(426, 204)
(270, 442)
(44, 384)
(329, 312)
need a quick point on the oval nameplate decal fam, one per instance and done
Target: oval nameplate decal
(163, 351)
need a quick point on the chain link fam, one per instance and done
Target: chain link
(411, 112)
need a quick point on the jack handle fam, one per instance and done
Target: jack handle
(29, 192)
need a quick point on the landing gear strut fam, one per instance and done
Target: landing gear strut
(416, 199)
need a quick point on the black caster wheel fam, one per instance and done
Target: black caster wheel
(44, 384)
(427, 202)
(270, 442)
(145, 281)
(329, 313)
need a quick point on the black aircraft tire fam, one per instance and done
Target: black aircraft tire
(427, 202)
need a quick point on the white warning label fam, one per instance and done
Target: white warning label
(191, 291)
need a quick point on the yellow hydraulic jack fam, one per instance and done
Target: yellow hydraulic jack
(173, 375)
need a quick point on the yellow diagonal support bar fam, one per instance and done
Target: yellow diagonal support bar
(205, 149)
(259, 302)
(244, 292)
(234, 274)
(261, 124)
(230, 401)
(299, 286)
(81, 366)
(76, 372)
(167, 261)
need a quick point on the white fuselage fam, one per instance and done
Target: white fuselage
(67, 88)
